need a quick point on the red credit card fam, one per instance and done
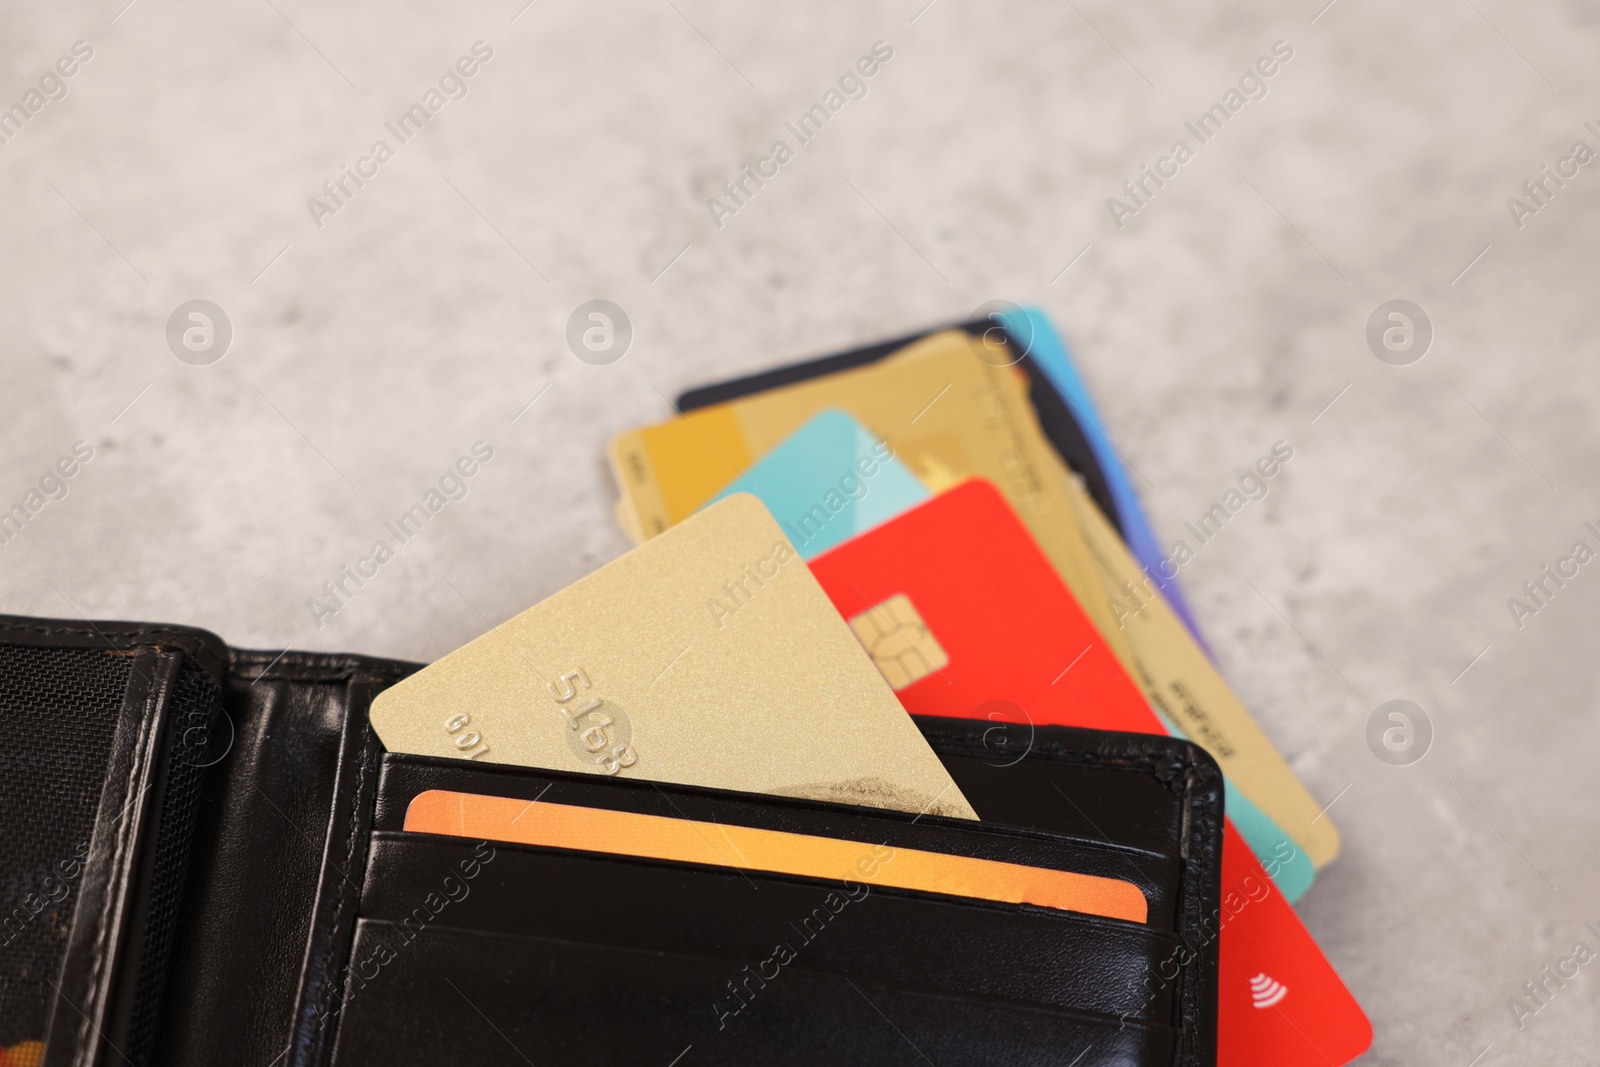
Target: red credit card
(967, 618)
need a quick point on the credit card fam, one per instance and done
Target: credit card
(975, 619)
(746, 848)
(828, 481)
(948, 440)
(1032, 329)
(1181, 681)
(961, 611)
(1058, 398)
(708, 656)
(1280, 1003)
(947, 413)
(1170, 668)
(1061, 426)
(969, 619)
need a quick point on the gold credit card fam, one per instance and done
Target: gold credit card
(947, 412)
(708, 656)
(1180, 681)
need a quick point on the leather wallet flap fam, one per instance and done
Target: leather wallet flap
(106, 731)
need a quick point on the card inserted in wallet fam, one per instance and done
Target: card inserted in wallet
(746, 848)
(707, 656)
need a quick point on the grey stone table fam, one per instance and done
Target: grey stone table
(381, 324)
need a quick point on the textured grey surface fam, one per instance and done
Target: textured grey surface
(1224, 316)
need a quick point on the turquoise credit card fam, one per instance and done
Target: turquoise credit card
(828, 481)
(1285, 864)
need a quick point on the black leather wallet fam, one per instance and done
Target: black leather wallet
(204, 864)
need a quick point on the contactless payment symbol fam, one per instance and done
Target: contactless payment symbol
(899, 642)
(1266, 991)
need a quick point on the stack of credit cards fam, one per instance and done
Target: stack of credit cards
(937, 525)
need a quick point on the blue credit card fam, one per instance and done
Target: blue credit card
(828, 481)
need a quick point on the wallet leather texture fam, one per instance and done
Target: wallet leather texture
(229, 883)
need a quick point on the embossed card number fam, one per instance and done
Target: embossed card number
(470, 742)
(599, 737)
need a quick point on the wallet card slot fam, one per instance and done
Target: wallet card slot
(279, 848)
(458, 996)
(1157, 876)
(866, 932)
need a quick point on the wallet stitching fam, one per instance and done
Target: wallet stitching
(78, 631)
(1207, 825)
(332, 666)
(1177, 765)
(329, 669)
(1184, 778)
(118, 849)
(343, 901)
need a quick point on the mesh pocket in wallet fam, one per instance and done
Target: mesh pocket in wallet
(58, 711)
(104, 740)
